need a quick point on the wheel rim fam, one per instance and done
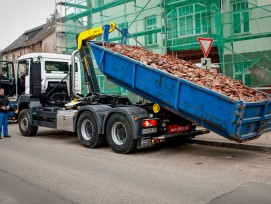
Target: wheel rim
(24, 123)
(87, 130)
(119, 133)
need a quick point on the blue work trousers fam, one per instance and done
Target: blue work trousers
(4, 123)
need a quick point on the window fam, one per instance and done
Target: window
(215, 19)
(242, 73)
(171, 24)
(23, 70)
(6, 70)
(150, 24)
(240, 17)
(187, 20)
(56, 66)
(108, 87)
(23, 67)
(101, 82)
(99, 3)
(121, 26)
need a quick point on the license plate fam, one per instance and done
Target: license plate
(149, 130)
(146, 142)
(178, 128)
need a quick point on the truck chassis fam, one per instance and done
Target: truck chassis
(101, 118)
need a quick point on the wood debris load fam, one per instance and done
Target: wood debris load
(185, 70)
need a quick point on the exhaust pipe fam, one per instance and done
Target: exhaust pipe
(72, 77)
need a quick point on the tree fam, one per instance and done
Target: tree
(53, 16)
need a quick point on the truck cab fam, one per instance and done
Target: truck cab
(45, 76)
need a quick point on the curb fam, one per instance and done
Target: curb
(259, 148)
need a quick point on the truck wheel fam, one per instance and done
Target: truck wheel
(119, 134)
(87, 131)
(25, 126)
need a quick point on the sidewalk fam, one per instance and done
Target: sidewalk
(263, 143)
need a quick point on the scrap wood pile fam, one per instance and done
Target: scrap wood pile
(185, 70)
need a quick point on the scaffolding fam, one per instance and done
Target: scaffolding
(135, 15)
(240, 29)
(60, 27)
(246, 44)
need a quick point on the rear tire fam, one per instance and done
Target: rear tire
(87, 131)
(119, 134)
(24, 122)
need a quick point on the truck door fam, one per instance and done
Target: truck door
(7, 79)
(35, 78)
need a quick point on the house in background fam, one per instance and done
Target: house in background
(49, 37)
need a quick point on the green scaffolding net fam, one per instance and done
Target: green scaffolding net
(246, 43)
(240, 29)
(135, 15)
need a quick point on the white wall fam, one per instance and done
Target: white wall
(49, 43)
(259, 24)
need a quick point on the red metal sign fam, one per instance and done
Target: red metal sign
(206, 44)
(177, 128)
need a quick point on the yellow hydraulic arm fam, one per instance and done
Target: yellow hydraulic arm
(91, 34)
(84, 52)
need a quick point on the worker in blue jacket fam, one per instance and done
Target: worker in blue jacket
(4, 108)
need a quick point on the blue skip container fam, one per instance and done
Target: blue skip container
(235, 120)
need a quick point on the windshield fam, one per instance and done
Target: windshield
(56, 66)
(6, 69)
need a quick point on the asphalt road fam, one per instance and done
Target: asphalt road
(55, 166)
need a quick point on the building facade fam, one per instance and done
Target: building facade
(49, 37)
(240, 29)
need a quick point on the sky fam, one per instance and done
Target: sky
(18, 16)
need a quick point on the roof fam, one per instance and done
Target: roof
(34, 35)
(46, 55)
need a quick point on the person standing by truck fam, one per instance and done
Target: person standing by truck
(4, 108)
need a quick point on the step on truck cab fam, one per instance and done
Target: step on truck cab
(98, 118)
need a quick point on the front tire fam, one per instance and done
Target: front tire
(25, 126)
(119, 134)
(87, 131)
